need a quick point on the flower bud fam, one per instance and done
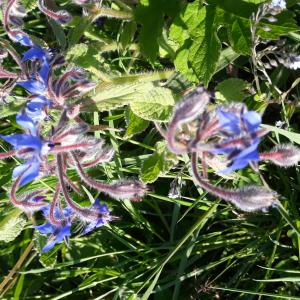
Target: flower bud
(129, 189)
(283, 155)
(63, 17)
(191, 106)
(253, 198)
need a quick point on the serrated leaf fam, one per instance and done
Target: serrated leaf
(12, 106)
(151, 13)
(109, 96)
(239, 36)
(12, 225)
(135, 124)
(160, 162)
(206, 48)
(47, 259)
(232, 89)
(198, 42)
(155, 105)
(59, 33)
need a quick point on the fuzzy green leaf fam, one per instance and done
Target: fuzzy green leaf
(232, 89)
(109, 96)
(160, 162)
(47, 259)
(206, 48)
(155, 105)
(151, 13)
(135, 124)
(12, 225)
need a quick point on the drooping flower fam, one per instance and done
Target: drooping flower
(30, 147)
(98, 216)
(58, 231)
(241, 139)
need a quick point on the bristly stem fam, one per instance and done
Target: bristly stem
(7, 154)
(60, 172)
(103, 187)
(53, 205)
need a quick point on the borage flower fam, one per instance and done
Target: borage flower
(59, 230)
(98, 216)
(241, 136)
(28, 146)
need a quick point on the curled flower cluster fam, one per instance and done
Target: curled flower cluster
(66, 146)
(230, 134)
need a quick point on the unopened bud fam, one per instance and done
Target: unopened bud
(129, 189)
(283, 155)
(191, 106)
(63, 17)
(253, 198)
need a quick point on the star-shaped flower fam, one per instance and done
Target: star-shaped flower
(240, 140)
(102, 216)
(59, 231)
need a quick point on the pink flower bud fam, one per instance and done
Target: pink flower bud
(283, 155)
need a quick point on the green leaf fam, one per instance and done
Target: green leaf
(232, 89)
(194, 33)
(160, 162)
(109, 96)
(12, 106)
(29, 4)
(155, 105)
(135, 124)
(239, 35)
(47, 259)
(12, 225)
(151, 13)
(206, 48)
(292, 136)
(59, 33)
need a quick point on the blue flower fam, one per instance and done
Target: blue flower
(34, 86)
(103, 216)
(35, 108)
(238, 122)
(42, 55)
(29, 170)
(241, 141)
(60, 230)
(30, 147)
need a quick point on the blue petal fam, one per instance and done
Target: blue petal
(26, 122)
(23, 39)
(237, 165)
(252, 120)
(49, 245)
(35, 52)
(229, 121)
(104, 209)
(33, 86)
(68, 211)
(90, 227)
(96, 204)
(30, 174)
(63, 232)
(19, 141)
(44, 71)
(249, 153)
(46, 228)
